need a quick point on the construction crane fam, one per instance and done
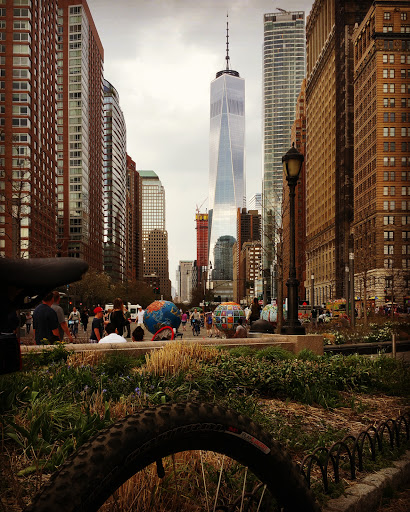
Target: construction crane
(282, 10)
(198, 210)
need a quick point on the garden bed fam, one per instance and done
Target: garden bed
(62, 399)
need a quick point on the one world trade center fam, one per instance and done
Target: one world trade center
(226, 173)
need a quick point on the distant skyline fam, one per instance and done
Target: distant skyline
(161, 56)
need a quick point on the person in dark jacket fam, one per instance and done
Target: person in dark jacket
(255, 311)
(117, 317)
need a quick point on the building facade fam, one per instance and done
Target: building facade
(381, 225)
(133, 253)
(298, 137)
(80, 59)
(226, 172)
(201, 226)
(284, 68)
(184, 276)
(28, 129)
(248, 230)
(329, 148)
(255, 203)
(115, 185)
(154, 235)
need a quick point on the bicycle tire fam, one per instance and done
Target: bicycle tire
(91, 475)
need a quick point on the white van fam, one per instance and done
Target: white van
(107, 307)
(133, 309)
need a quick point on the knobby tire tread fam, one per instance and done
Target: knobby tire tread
(99, 467)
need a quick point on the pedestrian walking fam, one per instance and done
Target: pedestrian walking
(73, 321)
(127, 316)
(97, 326)
(117, 317)
(45, 321)
(62, 324)
(29, 321)
(84, 318)
(184, 318)
(208, 321)
(140, 317)
(255, 311)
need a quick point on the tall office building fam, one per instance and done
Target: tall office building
(133, 253)
(248, 230)
(80, 134)
(284, 68)
(154, 235)
(184, 276)
(330, 143)
(381, 224)
(255, 203)
(28, 129)
(226, 171)
(115, 185)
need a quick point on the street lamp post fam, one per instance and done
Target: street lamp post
(292, 164)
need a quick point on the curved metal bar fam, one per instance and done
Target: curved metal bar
(381, 430)
(402, 419)
(313, 458)
(335, 460)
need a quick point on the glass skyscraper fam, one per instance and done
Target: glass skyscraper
(284, 68)
(226, 169)
(115, 176)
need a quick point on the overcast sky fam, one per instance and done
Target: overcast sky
(161, 56)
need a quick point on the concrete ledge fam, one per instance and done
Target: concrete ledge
(291, 343)
(367, 495)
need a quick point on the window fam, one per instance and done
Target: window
(392, 88)
(392, 102)
(385, 102)
(386, 163)
(392, 161)
(392, 205)
(384, 59)
(405, 219)
(386, 15)
(385, 87)
(405, 235)
(385, 73)
(392, 131)
(389, 235)
(21, 48)
(388, 219)
(385, 132)
(403, 16)
(385, 146)
(385, 205)
(392, 117)
(388, 263)
(389, 249)
(391, 58)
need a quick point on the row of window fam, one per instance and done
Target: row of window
(404, 29)
(391, 161)
(389, 235)
(391, 131)
(389, 249)
(391, 205)
(391, 176)
(389, 58)
(404, 88)
(388, 263)
(390, 219)
(391, 102)
(387, 15)
(391, 191)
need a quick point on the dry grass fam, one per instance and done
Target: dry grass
(178, 356)
(89, 358)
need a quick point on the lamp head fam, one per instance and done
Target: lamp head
(292, 162)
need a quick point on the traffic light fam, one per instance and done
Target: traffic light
(157, 291)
